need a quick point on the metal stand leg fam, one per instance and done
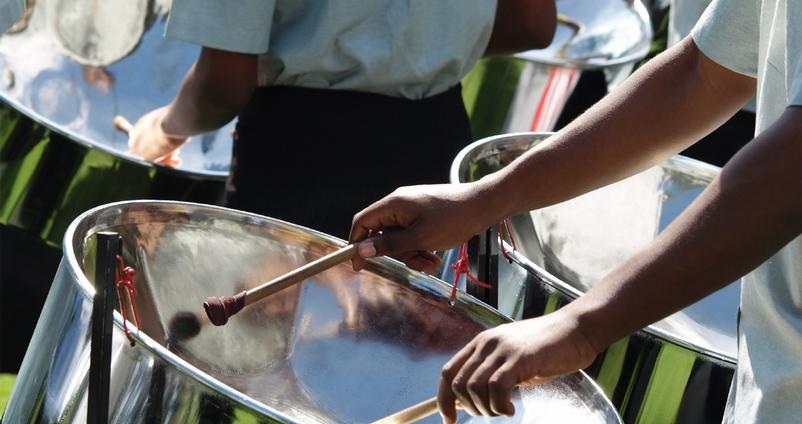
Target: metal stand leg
(483, 251)
(108, 247)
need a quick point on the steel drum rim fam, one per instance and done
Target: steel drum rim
(87, 290)
(555, 282)
(86, 142)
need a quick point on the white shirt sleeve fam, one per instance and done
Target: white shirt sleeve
(727, 33)
(241, 26)
(793, 49)
(10, 12)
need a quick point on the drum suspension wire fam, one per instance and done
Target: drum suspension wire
(461, 266)
(124, 277)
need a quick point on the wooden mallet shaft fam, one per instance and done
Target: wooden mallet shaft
(219, 309)
(122, 124)
(414, 413)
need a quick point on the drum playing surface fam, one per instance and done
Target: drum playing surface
(341, 347)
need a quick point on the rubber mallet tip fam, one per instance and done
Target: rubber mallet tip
(219, 309)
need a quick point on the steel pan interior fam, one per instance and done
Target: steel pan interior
(676, 370)
(594, 34)
(578, 241)
(76, 64)
(340, 347)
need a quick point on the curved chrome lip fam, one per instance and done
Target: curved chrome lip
(453, 174)
(596, 63)
(88, 290)
(556, 282)
(84, 141)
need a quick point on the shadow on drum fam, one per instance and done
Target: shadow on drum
(676, 370)
(341, 347)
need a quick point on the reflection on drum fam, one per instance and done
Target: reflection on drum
(676, 370)
(528, 91)
(340, 347)
(67, 69)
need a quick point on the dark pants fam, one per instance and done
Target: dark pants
(316, 157)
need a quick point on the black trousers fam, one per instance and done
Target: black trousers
(316, 157)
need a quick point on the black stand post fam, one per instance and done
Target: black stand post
(484, 248)
(108, 247)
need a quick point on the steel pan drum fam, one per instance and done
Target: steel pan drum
(339, 347)
(67, 69)
(679, 368)
(528, 90)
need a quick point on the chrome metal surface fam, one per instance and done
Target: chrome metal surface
(528, 91)
(565, 248)
(594, 34)
(339, 347)
(67, 71)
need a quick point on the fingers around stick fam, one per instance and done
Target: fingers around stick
(446, 399)
(499, 386)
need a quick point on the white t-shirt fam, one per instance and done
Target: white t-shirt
(404, 48)
(10, 12)
(763, 39)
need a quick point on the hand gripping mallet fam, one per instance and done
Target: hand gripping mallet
(219, 309)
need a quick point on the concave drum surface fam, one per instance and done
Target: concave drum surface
(340, 347)
(67, 69)
(678, 369)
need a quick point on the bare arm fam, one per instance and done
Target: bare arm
(749, 212)
(213, 92)
(667, 105)
(672, 101)
(522, 25)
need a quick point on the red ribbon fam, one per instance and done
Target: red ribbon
(124, 276)
(462, 265)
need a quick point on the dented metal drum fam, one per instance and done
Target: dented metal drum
(341, 347)
(68, 67)
(676, 370)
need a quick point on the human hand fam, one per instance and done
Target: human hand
(148, 140)
(420, 219)
(482, 375)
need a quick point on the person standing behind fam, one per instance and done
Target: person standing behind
(748, 221)
(328, 92)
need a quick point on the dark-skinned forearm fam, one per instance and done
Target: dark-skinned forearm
(212, 93)
(664, 107)
(749, 212)
(522, 25)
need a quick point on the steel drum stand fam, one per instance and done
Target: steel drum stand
(109, 245)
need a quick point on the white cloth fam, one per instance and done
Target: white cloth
(403, 48)
(763, 39)
(10, 12)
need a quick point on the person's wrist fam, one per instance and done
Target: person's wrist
(492, 199)
(170, 128)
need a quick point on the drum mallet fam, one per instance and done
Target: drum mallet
(414, 413)
(122, 124)
(219, 309)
